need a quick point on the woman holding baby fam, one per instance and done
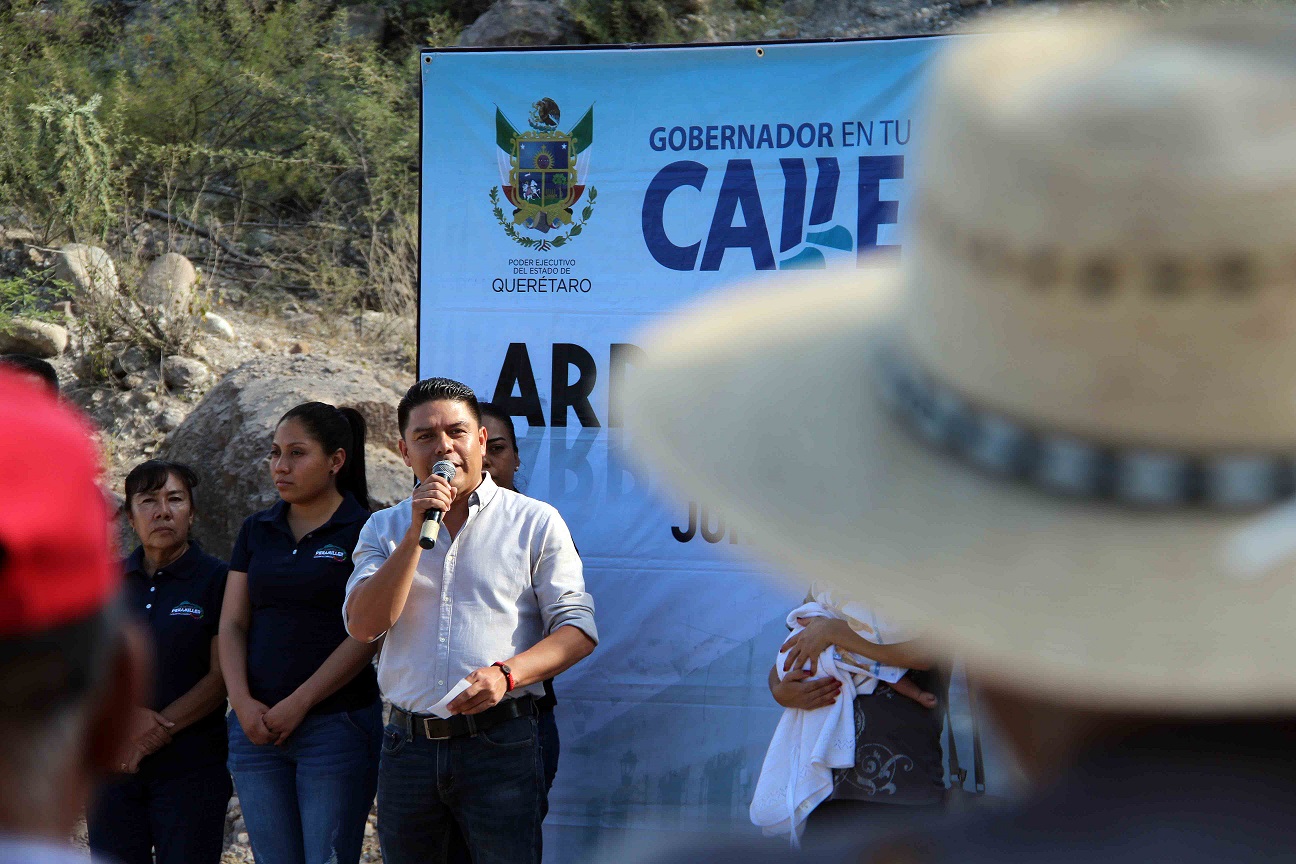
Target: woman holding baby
(899, 771)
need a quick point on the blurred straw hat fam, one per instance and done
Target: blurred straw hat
(1062, 433)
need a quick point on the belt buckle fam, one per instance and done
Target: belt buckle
(427, 731)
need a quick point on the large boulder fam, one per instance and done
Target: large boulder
(89, 270)
(37, 338)
(226, 438)
(509, 23)
(168, 283)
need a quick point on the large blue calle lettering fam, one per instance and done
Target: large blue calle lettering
(738, 191)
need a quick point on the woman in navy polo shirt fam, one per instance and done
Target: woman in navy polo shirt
(306, 729)
(173, 790)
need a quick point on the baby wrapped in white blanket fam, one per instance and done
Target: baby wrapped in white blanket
(797, 773)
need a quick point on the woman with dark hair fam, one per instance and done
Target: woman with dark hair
(305, 733)
(173, 790)
(502, 459)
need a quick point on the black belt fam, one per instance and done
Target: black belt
(461, 725)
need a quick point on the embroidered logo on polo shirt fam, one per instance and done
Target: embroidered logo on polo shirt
(188, 610)
(331, 553)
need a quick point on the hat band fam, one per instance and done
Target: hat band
(1097, 275)
(1065, 464)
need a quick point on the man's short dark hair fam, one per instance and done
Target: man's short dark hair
(152, 475)
(32, 366)
(434, 390)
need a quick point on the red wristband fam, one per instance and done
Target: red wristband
(508, 674)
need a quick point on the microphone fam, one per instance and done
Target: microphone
(432, 518)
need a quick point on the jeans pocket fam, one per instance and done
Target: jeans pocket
(512, 734)
(394, 739)
(363, 720)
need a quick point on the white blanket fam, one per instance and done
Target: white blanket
(797, 773)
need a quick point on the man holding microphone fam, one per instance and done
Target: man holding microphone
(498, 602)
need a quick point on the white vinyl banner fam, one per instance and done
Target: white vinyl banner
(569, 197)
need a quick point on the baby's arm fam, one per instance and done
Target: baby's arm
(906, 687)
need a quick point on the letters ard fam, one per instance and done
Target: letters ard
(574, 395)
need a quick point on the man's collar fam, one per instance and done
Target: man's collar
(485, 491)
(479, 497)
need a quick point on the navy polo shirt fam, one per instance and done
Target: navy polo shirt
(296, 591)
(181, 606)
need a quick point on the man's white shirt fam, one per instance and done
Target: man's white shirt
(511, 577)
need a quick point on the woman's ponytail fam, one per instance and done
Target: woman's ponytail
(352, 476)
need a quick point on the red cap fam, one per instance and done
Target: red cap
(56, 560)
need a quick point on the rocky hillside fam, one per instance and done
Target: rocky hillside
(185, 403)
(553, 22)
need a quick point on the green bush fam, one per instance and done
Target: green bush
(213, 118)
(53, 136)
(74, 164)
(636, 21)
(20, 298)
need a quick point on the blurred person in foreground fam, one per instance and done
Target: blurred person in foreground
(1070, 429)
(71, 663)
(172, 789)
(37, 369)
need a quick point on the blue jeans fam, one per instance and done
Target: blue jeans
(306, 801)
(549, 746)
(547, 727)
(181, 817)
(490, 786)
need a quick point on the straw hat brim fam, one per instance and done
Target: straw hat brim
(764, 405)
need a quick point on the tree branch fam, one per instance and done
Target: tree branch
(207, 235)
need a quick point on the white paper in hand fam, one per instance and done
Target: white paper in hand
(439, 709)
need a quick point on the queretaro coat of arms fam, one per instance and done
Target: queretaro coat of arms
(543, 174)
